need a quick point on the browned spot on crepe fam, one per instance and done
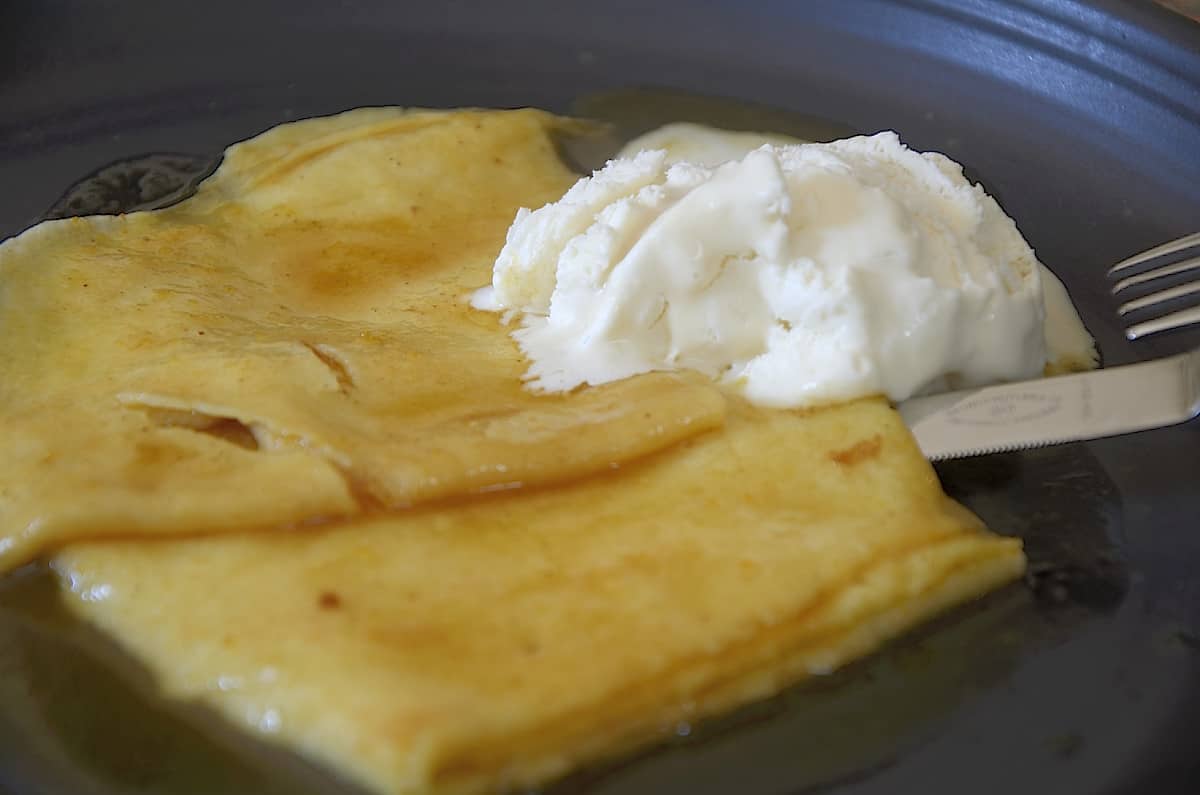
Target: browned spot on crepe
(858, 452)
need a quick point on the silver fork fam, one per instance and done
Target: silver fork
(1189, 244)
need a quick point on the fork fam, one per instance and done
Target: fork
(1189, 244)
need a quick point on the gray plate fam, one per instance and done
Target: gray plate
(1083, 117)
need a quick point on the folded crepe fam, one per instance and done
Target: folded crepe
(500, 642)
(286, 466)
(293, 344)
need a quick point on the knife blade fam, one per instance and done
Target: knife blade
(1065, 408)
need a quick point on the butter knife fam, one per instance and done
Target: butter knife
(1058, 409)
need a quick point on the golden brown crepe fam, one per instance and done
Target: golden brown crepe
(501, 641)
(293, 344)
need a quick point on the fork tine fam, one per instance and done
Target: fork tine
(1158, 298)
(1172, 247)
(1182, 266)
(1183, 317)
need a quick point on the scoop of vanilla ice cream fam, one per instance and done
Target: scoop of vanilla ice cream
(1069, 346)
(798, 274)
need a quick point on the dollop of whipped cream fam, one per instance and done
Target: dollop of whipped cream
(798, 274)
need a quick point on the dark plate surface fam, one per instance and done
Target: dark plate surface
(1084, 118)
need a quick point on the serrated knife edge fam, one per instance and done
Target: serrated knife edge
(1055, 410)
